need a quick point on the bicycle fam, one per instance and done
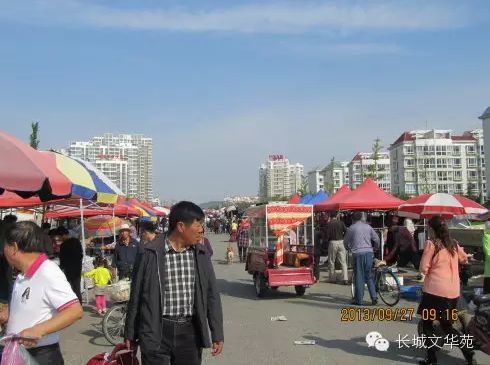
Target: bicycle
(113, 323)
(386, 284)
(115, 318)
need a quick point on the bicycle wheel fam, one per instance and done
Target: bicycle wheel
(388, 287)
(113, 324)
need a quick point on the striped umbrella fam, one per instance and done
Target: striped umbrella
(107, 191)
(439, 204)
(103, 226)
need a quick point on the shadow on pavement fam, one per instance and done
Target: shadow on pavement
(96, 337)
(245, 290)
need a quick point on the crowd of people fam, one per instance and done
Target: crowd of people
(41, 271)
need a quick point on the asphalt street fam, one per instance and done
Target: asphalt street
(252, 338)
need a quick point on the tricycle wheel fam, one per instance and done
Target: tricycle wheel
(260, 285)
(300, 290)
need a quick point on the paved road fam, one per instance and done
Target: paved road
(251, 338)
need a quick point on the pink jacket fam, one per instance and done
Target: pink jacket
(442, 271)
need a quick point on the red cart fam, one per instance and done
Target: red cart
(281, 247)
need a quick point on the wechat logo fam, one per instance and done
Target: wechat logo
(376, 340)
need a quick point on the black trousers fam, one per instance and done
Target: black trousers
(316, 266)
(47, 355)
(242, 250)
(180, 345)
(75, 286)
(486, 285)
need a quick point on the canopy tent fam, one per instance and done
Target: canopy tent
(366, 197)
(148, 207)
(305, 199)
(117, 210)
(328, 204)
(164, 210)
(295, 199)
(319, 197)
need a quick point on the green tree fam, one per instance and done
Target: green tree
(34, 137)
(303, 189)
(374, 169)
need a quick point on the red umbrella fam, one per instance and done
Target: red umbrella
(28, 172)
(439, 204)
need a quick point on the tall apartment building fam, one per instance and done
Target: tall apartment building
(364, 165)
(485, 118)
(336, 174)
(278, 177)
(315, 181)
(126, 159)
(428, 161)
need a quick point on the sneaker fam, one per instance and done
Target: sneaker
(375, 302)
(355, 303)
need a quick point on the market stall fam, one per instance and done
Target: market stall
(281, 247)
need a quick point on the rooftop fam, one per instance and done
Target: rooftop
(486, 114)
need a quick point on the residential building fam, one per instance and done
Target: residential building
(485, 118)
(364, 165)
(428, 161)
(315, 181)
(127, 159)
(336, 174)
(279, 178)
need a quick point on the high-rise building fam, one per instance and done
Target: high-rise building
(126, 159)
(316, 181)
(485, 118)
(336, 174)
(364, 165)
(279, 178)
(428, 161)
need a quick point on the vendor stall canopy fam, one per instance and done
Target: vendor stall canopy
(367, 196)
(281, 217)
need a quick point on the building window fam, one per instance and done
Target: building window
(441, 163)
(471, 162)
(456, 150)
(458, 175)
(410, 188)
(443, 188)
(410, 175)
(409, 162)
(472, 175)
(470, 150)
(457, 163)
(458, 188)
(441, 150)
(408, 150)
(442, 175)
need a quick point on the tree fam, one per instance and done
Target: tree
(303, 189)
(34, 137)
(372, 170)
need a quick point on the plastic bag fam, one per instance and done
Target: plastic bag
(15, 354)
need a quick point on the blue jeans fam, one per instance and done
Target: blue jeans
(363, 272)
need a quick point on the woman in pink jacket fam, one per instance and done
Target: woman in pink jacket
(440, 265)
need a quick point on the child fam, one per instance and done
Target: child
(101, 277)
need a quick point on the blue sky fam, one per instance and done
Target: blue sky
(220, 85)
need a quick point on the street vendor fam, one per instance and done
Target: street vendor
(486, 252)
(125, 252)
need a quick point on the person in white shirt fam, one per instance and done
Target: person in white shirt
(42, 302)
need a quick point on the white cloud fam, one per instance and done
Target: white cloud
(275, 17)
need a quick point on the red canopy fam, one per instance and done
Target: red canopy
(71, 212)
(367, 196)
(330, 203)
(154, 211)
(294, 199)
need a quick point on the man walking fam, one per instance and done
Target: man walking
(71, 256)
(361, 240)
(334, 234)
(175, 308)
(125, 252)
(243, 238)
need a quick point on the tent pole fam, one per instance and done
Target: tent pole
(82, 225)
(382, 237)
(113, 222)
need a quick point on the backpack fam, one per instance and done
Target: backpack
(120, 355)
